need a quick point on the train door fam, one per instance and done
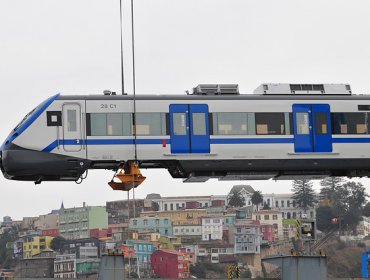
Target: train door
(189, 127)
(312, 128)
(72, 132)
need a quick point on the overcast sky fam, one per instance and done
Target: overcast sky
(73, 47)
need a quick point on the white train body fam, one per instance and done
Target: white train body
(194, 136)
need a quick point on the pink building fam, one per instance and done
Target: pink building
(170, 264)
(99, 233)
(268, 233)
(128, 250)
(50, 232)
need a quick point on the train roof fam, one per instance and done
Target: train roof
(217, 97)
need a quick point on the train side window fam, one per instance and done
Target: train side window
(114, 124)
(349, 123)
(98, 124)
(230, 124)
(291, 125)
(199, 124)
(151, 124)
(270, 123)
(179, 123)
(127, 124)
(321, 120)
(72, 120)
(302, 123)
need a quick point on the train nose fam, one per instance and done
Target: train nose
(1, 161)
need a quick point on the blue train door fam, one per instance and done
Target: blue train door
(312, 128)
(189, 127)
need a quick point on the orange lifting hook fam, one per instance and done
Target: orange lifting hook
(130, 178)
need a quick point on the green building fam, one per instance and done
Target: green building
(77, 222)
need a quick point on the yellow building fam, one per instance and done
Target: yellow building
(179, 217)
(35, 244)
(170, 242)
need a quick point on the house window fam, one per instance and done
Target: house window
(266, 217)
(274, 217)
(277, 203)
(282, 203)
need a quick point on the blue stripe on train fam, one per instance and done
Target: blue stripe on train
(91, 142)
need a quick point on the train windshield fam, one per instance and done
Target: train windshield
(28, 116)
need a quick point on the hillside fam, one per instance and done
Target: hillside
(343, 259)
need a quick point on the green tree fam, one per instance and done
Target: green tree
(355, 204)
(329, 186)
(257, 198)
(266, 206)
(366, 210)
(57, 243)
(303, 193)
(235, 199)
(324, 216)
(6, 251)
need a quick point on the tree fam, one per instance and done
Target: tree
(257, 198)
(355, 204)
(235, 199)
(329, 186)
(57, 243)
(266, 206)
(303, 193)
(366, 210)
(6, 251)
(324, 216)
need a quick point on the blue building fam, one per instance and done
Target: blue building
(163, 225)
(143, 251)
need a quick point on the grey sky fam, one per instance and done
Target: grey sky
(73, 47)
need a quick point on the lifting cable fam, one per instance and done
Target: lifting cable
(134, 92)
(121, 30)
(133, 73)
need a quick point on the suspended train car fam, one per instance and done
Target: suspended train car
(281, 131)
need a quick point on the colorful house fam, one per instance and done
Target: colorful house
(179, 217)
(50, 232)
(268, 233)
(143, 250)
(162, 225)
(170, 264)
(170, 242)
(76, 223)
(33, 245)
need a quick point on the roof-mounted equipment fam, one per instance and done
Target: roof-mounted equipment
(216, 89)
(304, 89)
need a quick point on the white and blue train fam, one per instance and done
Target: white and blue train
(280, 131)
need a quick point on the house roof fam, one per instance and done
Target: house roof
(168, 251)
(239, 188)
